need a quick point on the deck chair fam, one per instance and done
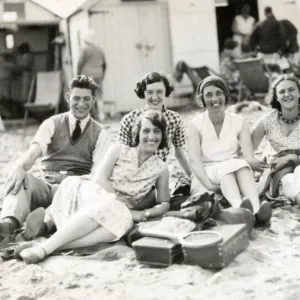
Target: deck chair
(255, 75)
(195, 74)
(47, 96)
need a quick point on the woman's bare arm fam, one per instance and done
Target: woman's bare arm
(257, 134)
(105, 168)
(194, 151)
(247, 149)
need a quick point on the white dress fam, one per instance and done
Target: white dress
(131, 182)
(220, 155)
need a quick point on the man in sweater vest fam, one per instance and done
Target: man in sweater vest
(69, 144)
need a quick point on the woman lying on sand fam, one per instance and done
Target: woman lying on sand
(281, 127)
(90, 211)
(215, 140)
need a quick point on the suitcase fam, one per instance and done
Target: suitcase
(164, 252)
(235, 240)
(157, 251)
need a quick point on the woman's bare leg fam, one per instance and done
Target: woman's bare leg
(76, 228)
(230, 190)
(99, 235)
(248, 187)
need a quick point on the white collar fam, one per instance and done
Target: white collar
(72, 120)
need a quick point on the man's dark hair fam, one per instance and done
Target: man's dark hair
(84, 82)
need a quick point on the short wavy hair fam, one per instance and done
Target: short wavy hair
(84, 82)
(152, 78)
(272, 96)
(158, 120)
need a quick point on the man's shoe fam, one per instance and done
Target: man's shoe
(33, 226)
(7, 228)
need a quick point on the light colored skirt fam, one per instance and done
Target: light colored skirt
(217, 171)
(78, 195)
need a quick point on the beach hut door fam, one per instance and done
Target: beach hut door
(135, 39)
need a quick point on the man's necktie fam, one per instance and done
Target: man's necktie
(77, 131)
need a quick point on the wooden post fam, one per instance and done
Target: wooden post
(2, 128)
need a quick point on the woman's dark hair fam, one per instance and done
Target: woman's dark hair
(152, 78)
(84, 82)
(158, 120)
(211, 81)
(272, 96)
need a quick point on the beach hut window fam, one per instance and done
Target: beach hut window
(15, 6)
(9, 41)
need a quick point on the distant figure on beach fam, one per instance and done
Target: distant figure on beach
(281, 127)
(242, 27)
(216, 139)
(89, 210)
(291, 49)
(268, 39)
(92, 62)
(24, 67)
(229, 71)
(68, 144)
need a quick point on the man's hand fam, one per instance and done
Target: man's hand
(138, 216)
(15, 180)
(256, 164)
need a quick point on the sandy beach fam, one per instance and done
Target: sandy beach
(268, 269)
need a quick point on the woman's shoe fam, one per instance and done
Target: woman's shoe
(264, 213)
(246, 203)
(33, 255)
(22, 246)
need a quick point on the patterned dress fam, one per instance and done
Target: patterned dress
(277, 140)
(290, 183)
(81, 195)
